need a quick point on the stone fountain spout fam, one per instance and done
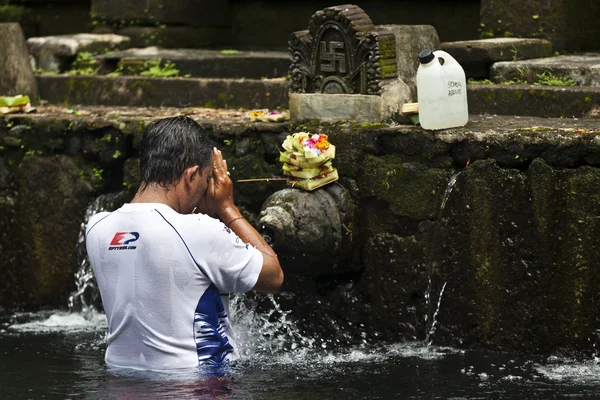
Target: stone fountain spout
(311, 231)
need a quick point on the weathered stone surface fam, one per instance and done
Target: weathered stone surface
(310, 230)
(411, 189)
(18, 14)
(514, 242)
(410, 40)
(176, 36)
(49, 212)
(342, 53)
(12, 292)
(53, 53)
(452, 20)
(569, 24)
(173, 12)
(520, 258)
(582, 69)
(351, 107)
(16, 76)
(540, 101)
(395, 282)
(163, 92)
(477, 56)
(204, 63)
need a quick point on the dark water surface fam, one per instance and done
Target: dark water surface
(60, 356)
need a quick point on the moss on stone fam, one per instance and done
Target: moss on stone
(411, 189)
(131, 174)
(49, 232)
(252, 194)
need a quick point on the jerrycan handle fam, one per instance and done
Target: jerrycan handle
(447, 58)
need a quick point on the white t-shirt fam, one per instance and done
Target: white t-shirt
(160, 275)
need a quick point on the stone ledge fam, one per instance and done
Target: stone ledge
(524, 100)
(168, 92)
(477, 56)
(204, 63)
(55, 52)
(583, 69)
(539, 101)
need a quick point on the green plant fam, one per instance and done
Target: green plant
(97, 173)
(473, 81)
(515, 52)
(84, 64)
(117, 72)
(155, 70)
(39, 71)
(547, 78)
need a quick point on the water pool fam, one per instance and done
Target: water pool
(56, 355)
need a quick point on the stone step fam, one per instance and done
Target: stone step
(202, 63)
(523, 100)
(53, 53)
(167, 92)
(582, 69)
(537, 101)
(477, 56)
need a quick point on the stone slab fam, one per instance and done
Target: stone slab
(176, 36)
(477, 56)
(206, 63)
(16, 75)
(583, 69)
(53, 52)
(570, 25)
(167, 92)
(175, 12)
(453, 20)
(410, 40)
(540, 101)
(350, 107)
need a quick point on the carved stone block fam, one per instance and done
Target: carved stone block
(345, 68)
(342, 52)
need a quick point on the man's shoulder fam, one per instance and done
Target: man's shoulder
(95, 219)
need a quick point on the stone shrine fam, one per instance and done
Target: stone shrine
(343, 67)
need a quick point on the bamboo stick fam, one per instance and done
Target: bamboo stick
(262, 179)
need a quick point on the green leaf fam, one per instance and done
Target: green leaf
(14, 101)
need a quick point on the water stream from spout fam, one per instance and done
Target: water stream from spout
(432, 306)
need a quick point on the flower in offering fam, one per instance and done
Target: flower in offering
(307, 160)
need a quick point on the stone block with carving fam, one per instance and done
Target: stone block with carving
(343, 67)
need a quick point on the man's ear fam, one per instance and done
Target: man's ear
(190, 175)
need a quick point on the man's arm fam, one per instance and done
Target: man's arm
(219, 200)
(271, 275)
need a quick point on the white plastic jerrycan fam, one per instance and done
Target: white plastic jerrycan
(441, 91)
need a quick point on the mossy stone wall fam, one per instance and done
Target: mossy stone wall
(569, 24)
(498, 225)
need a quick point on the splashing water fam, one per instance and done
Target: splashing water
(265, 333)
(86, 297)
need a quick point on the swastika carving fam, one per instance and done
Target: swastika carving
(330, 59)
(342, 52)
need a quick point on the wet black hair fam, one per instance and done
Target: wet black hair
(169, 146)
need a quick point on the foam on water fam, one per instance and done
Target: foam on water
(63, 322)
(566, 370)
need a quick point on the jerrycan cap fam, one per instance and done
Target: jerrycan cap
(426, 56)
